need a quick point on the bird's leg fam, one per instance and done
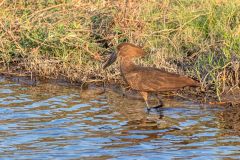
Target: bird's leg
(161, 115)
(123, 90)
(148, 108)
(160, 102)
(145, 97)
(158, 107)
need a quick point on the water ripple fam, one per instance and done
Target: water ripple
(59, 122)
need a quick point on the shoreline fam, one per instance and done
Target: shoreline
(194, 95)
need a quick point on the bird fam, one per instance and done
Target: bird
(146, 80)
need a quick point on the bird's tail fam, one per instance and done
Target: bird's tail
(194, 83)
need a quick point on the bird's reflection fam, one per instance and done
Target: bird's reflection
(135, 113)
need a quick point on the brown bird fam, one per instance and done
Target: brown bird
(146, 79)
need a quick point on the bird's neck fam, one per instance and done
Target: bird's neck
(126, 65)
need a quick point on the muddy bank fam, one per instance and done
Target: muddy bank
(196, 95)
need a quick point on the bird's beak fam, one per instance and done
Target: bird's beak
(110, 61)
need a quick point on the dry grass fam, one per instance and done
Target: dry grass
(70, 39)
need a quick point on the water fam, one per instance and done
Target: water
(60, 122)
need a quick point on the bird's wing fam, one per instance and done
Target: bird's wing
(152, 79)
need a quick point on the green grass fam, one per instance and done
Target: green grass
(54, 38)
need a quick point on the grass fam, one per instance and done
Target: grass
(70, 38)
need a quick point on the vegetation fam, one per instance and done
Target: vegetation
(70, 38)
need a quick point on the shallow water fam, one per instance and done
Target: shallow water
(60, 122)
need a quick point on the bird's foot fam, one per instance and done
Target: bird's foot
(157, 110)
(158, 106)
(148, 110)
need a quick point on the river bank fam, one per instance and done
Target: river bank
(195, 95)
(69, 40)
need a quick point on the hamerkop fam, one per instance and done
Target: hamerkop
(146, 79)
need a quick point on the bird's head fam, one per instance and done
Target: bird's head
(126, 51)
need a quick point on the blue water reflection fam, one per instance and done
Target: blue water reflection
(59, 122)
